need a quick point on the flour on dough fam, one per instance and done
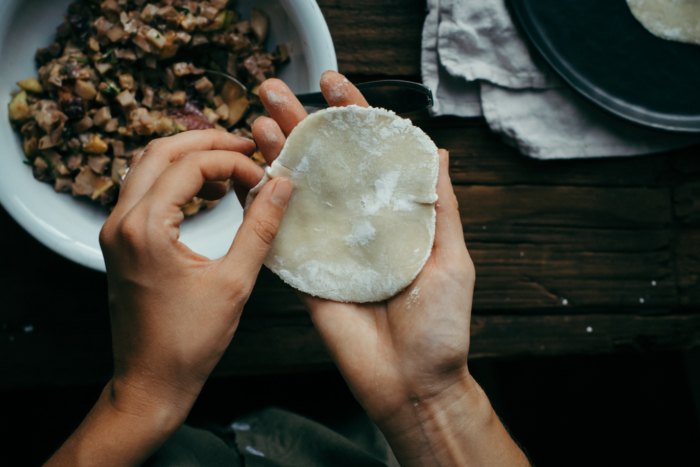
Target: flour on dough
(676, 20)
(361, 220)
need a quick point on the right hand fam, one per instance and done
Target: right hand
(405, 359)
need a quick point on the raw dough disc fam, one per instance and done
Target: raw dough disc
(361, 220)
(676, 20)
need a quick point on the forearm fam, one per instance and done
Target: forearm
(458, 427)
(119, 433)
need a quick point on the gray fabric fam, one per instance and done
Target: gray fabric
(476, 62)
(193, 447)
(275, 437)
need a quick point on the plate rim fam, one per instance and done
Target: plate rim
(619, 107)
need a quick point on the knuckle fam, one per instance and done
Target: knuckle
(265, 230)
(106, 237)
(131, 231)
(153, 146)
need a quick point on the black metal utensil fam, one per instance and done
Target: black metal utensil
(399, 96)
(396, 95)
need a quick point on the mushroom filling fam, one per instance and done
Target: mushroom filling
(124, 72)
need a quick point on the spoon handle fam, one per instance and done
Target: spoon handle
(399, 96)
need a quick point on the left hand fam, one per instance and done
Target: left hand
(173, 311)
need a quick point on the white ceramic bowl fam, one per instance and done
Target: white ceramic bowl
(71, 226)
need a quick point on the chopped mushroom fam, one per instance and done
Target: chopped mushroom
(98, 163)
(119, 165)
(111, 126)
(117, 147)
(83, 183)
(148, 95)
(126, 81)
(142, 122)
(116, 33)
(40, 169)
(181, 69)
(132, 71)
(148, 13)
(203, 85)
(62, 184)
(156, 38)
(126, 99)
(260, 23)
(178, 98)
(85, 89)
(74, 162)
(102, 116)
(83, 125)
(110, 7)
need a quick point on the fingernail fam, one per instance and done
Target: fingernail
(247, 139)
(282, 192)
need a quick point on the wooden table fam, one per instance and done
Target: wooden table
(571, 256)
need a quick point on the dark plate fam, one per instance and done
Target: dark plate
(603, 52)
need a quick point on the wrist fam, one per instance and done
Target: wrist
(453, 427)
(160, 404)
(125, 427)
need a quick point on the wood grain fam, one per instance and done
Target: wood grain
(376, 37)
(688, 268)
(260, 346)
(559, 246)
(560, 335)
(686, 202)
(563, 206)
(478, 156)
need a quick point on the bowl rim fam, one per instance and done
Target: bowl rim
(307, 18)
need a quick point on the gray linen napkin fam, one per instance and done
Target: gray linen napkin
(477, 64)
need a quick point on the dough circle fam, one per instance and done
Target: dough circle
(675, 20)
(360, 223)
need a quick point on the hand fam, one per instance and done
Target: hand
(405, 359)
(413, 345)
(173, 312)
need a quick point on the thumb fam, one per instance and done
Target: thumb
(259, 228)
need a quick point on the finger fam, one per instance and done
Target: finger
(241, 193)
(258, 230)
(448, 223)
(282, 104)
(212, 191)
(162, 152)
(339, 92)
(181, 181)
(268, 134)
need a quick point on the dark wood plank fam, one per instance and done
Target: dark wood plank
(76, 356)
(688, 267)
(376, 36)
(478, 156)
(497, 336)
(530, 295)
(686, 202)
(562, 206)
(569, 238)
